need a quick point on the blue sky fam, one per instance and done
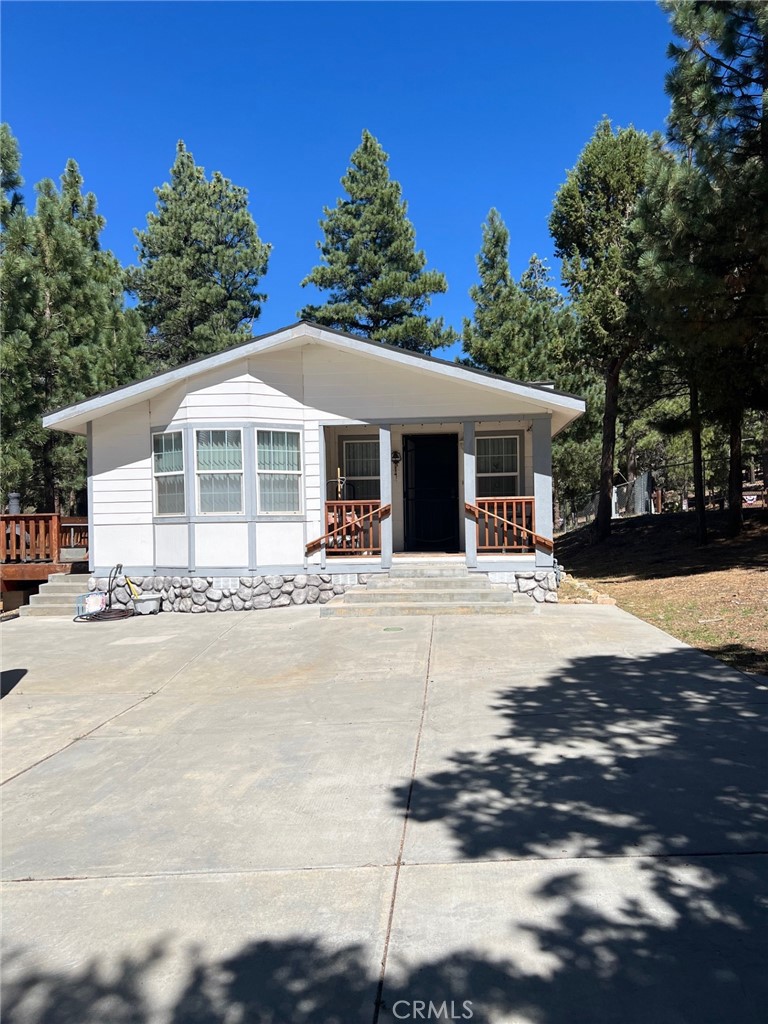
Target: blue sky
(478, 105)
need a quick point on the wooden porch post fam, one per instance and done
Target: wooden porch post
(541, 435)
(470, 524)
(54, 528)
(385, 472)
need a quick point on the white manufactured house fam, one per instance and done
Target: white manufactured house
(310, 451)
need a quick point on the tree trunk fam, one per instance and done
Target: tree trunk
(735, 512)
(698, 466)
(49, 478)
(610, 415)
(764, 459)
(631, 463)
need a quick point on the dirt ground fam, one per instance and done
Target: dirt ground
(714, 597)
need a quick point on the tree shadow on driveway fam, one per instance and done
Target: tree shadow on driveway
(610, 758)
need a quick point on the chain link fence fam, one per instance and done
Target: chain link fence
(631, 498)
(668, 488)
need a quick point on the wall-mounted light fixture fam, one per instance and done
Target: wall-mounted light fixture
(396, 460)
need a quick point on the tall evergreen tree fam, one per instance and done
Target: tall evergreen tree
(201, 260)
(709, 253)
(64, 328)
(719, 81)
(11, 180)
(18, 301)
(375, 275)
(119, 355)
(517, 329)
(590, 224)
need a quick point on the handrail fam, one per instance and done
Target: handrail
(29, 537)
(382, 511)
(542, 542)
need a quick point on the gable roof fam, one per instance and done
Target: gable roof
(74, 417)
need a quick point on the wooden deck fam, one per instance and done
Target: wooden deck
(34, 546)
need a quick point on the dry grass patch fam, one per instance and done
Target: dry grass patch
(714, 598)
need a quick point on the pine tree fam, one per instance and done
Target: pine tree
(375, 275)
(517, 328)
(201, 260)
(65, 335)
(590, 223)
(119, 354)
(11, 181)
(18, 301)
(709, 254)
(718, 81)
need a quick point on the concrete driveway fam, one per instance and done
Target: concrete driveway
(277, 819)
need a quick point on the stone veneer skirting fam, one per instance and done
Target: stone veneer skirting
(233, 593)
(196, 594)
(541, 585)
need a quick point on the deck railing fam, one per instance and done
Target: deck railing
(73, 532)
(40, 536)
(506, 525)
(352, 528)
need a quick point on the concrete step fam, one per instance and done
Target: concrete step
(46, 597)
(65, 608)
(78, 586)
(385, 583)
(342, 610)
(444, 595)
(434, 570)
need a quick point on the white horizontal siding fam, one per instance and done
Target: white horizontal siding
(339, 385)
(121, 490)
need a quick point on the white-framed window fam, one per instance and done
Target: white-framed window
(278, 471)
(362, 469)
(498, 466)
(168, 469)
(219, 471)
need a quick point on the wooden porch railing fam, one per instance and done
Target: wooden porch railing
(507, 526)
(353, 528)
(39, 537)
(73, 532)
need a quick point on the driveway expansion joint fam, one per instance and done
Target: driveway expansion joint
(380, 986)
(124, 711)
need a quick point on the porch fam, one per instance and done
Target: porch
(477, 490)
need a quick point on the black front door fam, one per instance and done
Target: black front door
(431, 492)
